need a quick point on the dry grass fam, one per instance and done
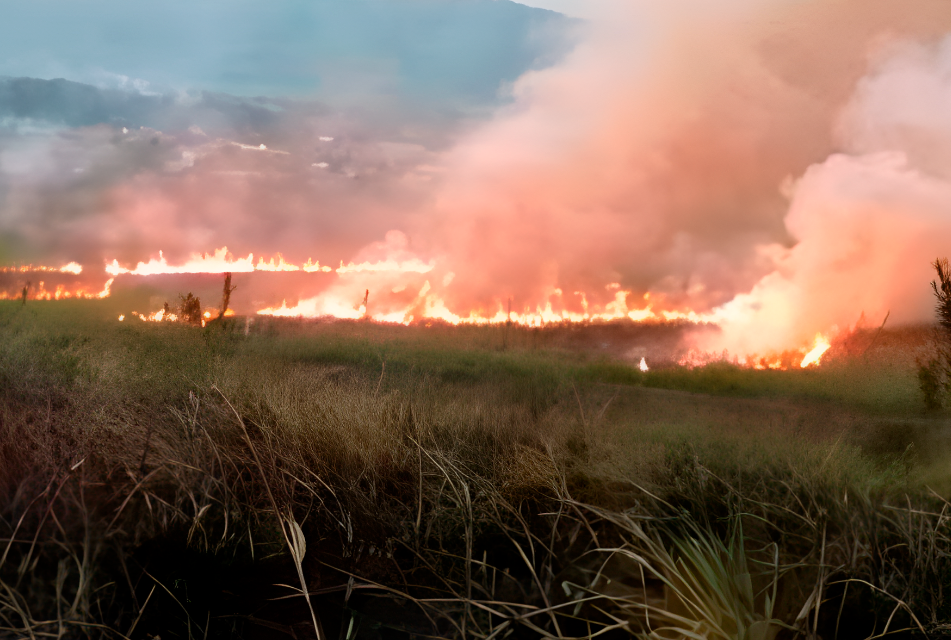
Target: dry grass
(328, 481)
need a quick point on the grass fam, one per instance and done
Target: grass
(352, 480)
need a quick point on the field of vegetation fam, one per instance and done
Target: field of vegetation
(288, 478)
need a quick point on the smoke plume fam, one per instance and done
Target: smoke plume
(777, 167)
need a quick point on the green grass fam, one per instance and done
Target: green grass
(160, 479)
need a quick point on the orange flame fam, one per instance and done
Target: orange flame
(72, 267)
(61, 292)
(218, 262)
(221, 261)
(279, 265)
(813, 357)
(162, 316)
(426, 305)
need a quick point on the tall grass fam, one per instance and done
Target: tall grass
(355, 481)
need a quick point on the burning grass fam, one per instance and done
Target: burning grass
(162, 479)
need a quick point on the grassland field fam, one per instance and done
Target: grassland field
(291, 478)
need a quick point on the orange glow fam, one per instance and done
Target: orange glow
(221, 261)
(72, 267)
(428, 305)
(218, 262)
(813, 357)
(161, 316)
(393, 274)
(276, 264)
(312, 267)
(60, 292)
(408, 266)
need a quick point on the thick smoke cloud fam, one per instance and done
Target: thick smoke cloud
(665, 164)
(868, 221)
(780, 167)
(654, 158)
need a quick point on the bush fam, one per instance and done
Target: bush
(934, 377)
(190, 309)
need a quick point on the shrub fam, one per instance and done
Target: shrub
(190, 309)
(934, 376)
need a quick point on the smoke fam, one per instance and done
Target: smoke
(657, 155)
(781, 170)
(868, 221)
(90, 175)
(779, 167)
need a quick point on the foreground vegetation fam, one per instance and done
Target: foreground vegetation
(351, 480)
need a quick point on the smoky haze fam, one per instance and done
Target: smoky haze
(778, 167)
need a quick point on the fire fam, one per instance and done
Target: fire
(821, 346)
(279, 265)
(60, 292)
(221, 261)
(73, 267)
(783, 361)
(217, 262)
(397, 273)
(429, 305)
(312, 267)
(168, 316)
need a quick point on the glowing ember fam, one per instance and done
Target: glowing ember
(822, 345)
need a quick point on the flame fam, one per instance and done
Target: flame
(387, 275)
(72, 267)
(772, 361)
(60, 292)
(162, 316)
(280, 265)
(312, 267)
(221, 261)
(821, 346)
(429, 305)
(218, 262)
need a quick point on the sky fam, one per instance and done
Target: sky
(757, 163)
